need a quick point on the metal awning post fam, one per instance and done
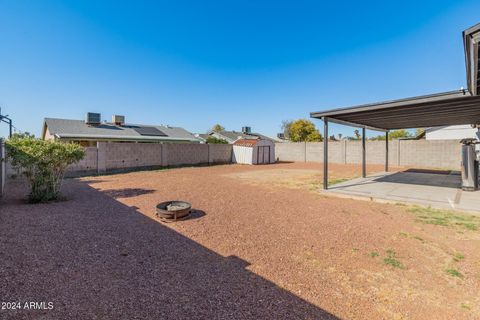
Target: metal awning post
(386, 151)
(364, 154)
(325, 153)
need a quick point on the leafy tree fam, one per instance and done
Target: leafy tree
(286, 128)
(22, 135)
(303, 130)
(357, 134)
(394, 135)
(43, 163)
(218, 128)
(419, 131)
(215, 140)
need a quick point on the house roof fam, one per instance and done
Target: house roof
(235, 135)
(246, 142)
(78, 129)
(449, 108)
(201, 136)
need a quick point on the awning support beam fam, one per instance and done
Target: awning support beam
(386, 151)
(325, 153)
(364, 154)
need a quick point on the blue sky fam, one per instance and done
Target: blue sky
(196, 63)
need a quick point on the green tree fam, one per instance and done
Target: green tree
(394, 135)
(303, 130)
(215, 140)
(286, 128)
(43, 163)
(357, 134)
(218, 128)
(419, 131)
(22, 135)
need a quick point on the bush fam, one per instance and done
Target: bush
(215, 140)
(43, 163)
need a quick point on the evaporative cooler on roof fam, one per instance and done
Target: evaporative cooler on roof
(150, 131)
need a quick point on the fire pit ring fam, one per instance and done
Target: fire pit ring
(173, 210)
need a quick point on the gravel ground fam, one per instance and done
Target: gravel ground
(252, 250)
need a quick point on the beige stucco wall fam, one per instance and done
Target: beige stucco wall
(48, 136)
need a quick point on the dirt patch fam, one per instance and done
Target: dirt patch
(260, 250)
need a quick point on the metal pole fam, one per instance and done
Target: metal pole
(325, 153)
(6, 119)
(386, 151)
(364, 155)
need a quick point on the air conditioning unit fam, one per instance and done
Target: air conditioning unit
(92, 118)
(118, 120)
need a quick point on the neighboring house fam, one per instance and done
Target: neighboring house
(451, 132)
(232, 136)
(202, 137)
(91, 130)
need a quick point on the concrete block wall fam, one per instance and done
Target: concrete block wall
(184, 154)
(219, 153)
(87, 165)
(314, 152)
(120, 156)
(294, 151)
(421, 153)
(116, 156)
(443, 154)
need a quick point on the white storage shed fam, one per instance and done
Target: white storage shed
(253, 151)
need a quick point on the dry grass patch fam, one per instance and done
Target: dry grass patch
(446, 218)
(288, 178)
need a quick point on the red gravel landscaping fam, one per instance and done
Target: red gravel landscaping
(262, 244)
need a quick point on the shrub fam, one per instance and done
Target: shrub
(43, 163)
(214, 140)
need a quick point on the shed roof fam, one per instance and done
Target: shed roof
(449, 108)
(78, 129)
(246, 142)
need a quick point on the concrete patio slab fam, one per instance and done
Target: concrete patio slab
(438, 190)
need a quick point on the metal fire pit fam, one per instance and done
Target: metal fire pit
(173, 210)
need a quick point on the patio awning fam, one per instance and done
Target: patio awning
(443, 109)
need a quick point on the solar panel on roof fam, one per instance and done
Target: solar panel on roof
(150, 131)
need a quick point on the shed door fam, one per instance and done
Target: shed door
(266, 154)
(263, 154)
(260, 155)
